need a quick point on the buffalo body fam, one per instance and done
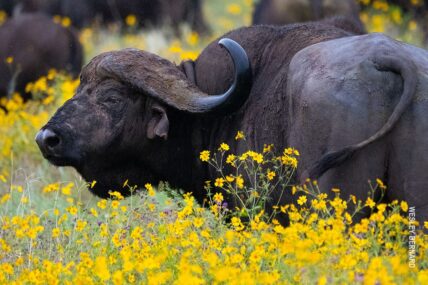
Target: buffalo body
(282, 12)
(149, 13)
(360, 104)
(137, 116)
(36, 44)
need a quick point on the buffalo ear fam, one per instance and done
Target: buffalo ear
(158, 125)
(188, 67)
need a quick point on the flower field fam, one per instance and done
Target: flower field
(53, 231)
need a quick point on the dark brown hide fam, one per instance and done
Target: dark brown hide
(282, 12)
(36, 44)
(112, 130)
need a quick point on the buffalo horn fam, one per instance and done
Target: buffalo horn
(161, 79)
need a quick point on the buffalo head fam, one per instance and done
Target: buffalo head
(117, 125)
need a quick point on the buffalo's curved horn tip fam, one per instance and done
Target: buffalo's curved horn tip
(238, 93)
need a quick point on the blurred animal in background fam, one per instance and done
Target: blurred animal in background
(148, 13)
(7, 6)
(282, 12)
(31, 45)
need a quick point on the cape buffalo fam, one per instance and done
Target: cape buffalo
(148, 12)
(34, 44)
(282, 12)
(359, 110)
(139, 117)
(7, 6)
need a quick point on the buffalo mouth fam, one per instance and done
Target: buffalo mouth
(58, 160)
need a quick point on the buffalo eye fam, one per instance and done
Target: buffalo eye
(112, 99)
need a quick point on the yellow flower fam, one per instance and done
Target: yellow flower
(293, 190)
(5, 198)
(218, 198)
(335, 190)
(231, 159)
(72, 210)
(237, 224)
(56, 19)
(102, 204)
(219, 182)
(175, 47)
(3, 16)
(118, 277)
(380, 5)
(302, 200)
(51, 187)
(101, 268)
(115, 204)
(234, 9)
(198, 222)
(66, 190)
(9, 59)
(380, 184)
(240, 182)
(80, 225)
(205, 155)
(322, 280)
(370, 203)
(93, 212)
(188, 55)
(224, 147)
(404, 207)
(24, 200)
(66, 22)
(116, 194)
(239, 136)
(271, 175)
(150, 189)
(289, 160)
(319, 204)
(267, 148)
(104, 232)
(413, 25)
(55, 232)
(230, 178)
(131, 20)
(192, 39)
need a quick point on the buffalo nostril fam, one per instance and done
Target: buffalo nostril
(52, 141)
(48, 139)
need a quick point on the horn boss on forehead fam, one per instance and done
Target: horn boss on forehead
(160, 79)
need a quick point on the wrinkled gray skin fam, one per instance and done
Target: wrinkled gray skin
(111, 130)
(342, 96)
(282, 12)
